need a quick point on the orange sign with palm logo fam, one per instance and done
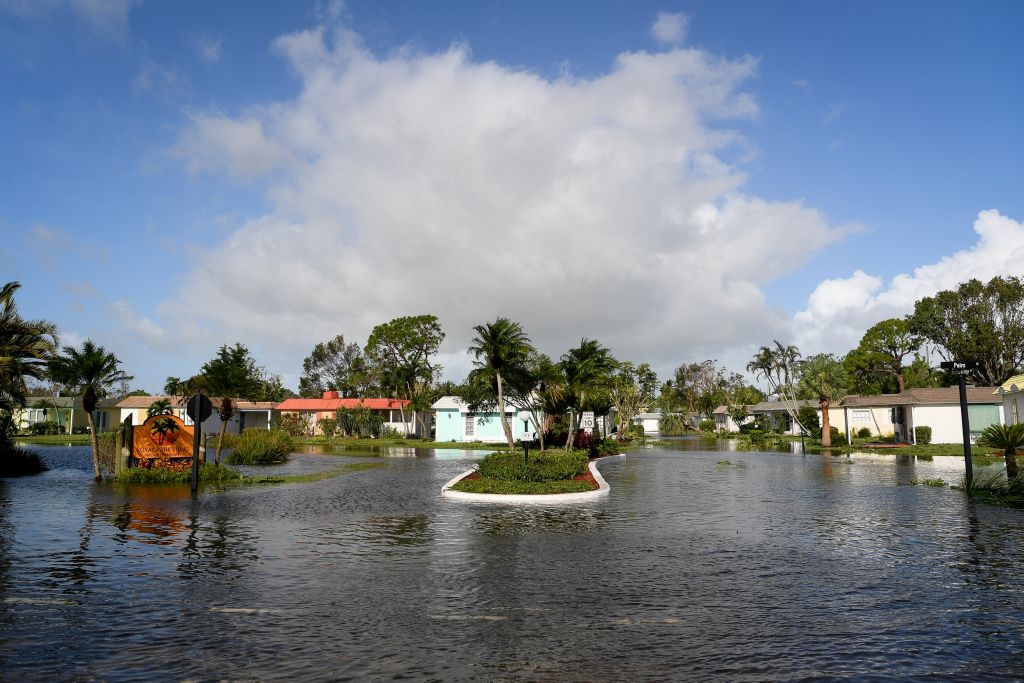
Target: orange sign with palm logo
(162, 437)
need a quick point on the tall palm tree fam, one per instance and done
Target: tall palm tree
(587, 369)
(25, 347)
(779, 367)
(91, 372)
(1007, 438)
(501, 347)
(160, 406)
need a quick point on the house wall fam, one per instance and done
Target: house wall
(449, 425)
(486, 427)
(878, 419)
(1010, 400)
(945, 420)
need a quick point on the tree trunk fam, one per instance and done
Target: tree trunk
(401, 409)
(1011, 464)
(826, 428)
(220, 440)
(540, 430)
(900, 381)
(501, 413)
(95, 447)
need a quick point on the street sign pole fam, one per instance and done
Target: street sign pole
(960, 369)
(965, 422)
(197, 431)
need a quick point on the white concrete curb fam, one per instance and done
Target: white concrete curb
(543, 498)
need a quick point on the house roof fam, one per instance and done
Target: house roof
(448, 403)
(925, 396)
(772, 406)
(325, 404)
(136, 402)
(67, 402)
(1015, 383)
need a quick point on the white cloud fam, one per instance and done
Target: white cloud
(839, 310)
(670, 29)
(161, 80)
(431, 183)
(207, 48)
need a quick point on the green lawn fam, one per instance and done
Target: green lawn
(398, 443)
(54, 438)
(483, 485)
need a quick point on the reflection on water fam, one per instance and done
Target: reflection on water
(771, 566)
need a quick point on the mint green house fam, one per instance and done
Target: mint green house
(454, 422)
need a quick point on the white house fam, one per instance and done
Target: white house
(1012, 394)
(456, 422)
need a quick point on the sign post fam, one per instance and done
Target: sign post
(199, 408)
(527, 436)
(587, 422)
(961, 369)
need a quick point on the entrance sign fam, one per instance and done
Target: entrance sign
(587, 421)
(162, 441)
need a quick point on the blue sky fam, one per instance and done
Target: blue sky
(166, 164)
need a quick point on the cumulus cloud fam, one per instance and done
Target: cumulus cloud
(839, 310)
(670, 29)
(419, 183)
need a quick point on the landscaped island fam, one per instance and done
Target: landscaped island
(555, 471)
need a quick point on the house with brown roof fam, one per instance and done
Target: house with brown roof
(935, 407)
(246, 415)
(66, 412)
(392, 410)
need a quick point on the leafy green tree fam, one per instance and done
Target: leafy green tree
(231, 374)
(587, 369)
(500, 349)
(1007, 438)
(632, 391)
(91, 372)
(823, 378)
(161, 406)
(779, 366)
(174, 386)
(25, 347)
(402, 352)
(980, 322)
(334, 366)
(883, 350)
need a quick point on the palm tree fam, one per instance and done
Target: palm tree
(160, 406)
(1007, 438)
(91, 371)
(25, 347)
(587, 369)
(779, 367)
(499, 348)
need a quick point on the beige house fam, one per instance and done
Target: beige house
(935, 407)
(246, 415)
(67, 412)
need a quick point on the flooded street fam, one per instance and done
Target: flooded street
(767, 566)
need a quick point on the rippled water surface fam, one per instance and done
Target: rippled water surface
(771, 566)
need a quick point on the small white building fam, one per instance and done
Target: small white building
(1012, 395)
(649, 421)
(934, 407)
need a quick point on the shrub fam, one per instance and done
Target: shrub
(261, 447)
(16, 461)
(209, 473)
(328, 426)
(838, 438)
(864, 433)
(808, 417)
(389, 432)
(229, 440)
(543, 467)
(923, 435)
(292, 424)
(44, 429)
(584, 441)
(707, 425)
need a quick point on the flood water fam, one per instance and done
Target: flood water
(772, 566)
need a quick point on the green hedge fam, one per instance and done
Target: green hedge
(545, 466)
(923, 435)
(261, 447)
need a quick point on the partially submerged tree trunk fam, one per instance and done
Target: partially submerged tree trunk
(224, 411)
(94, 438)
(826, 427)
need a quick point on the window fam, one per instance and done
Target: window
(470, 424)
(860, 416)
(1014, 417)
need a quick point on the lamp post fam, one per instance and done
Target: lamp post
(526, 438)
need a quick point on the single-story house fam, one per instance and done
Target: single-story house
(1012, 394)
(649, 421)
(777, 414)
(724, 421)
(391, 409)
(67, 412)
(938, 408)
(246, 414)
(455, 422)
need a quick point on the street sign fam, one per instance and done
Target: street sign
(959, 367)
(587, 420)
(201, 404)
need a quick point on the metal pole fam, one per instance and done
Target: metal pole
(197, 431)
(526, 452)
(966, 423)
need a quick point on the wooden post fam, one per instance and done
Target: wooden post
(123, 446)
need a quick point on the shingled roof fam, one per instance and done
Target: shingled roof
(924, 396)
